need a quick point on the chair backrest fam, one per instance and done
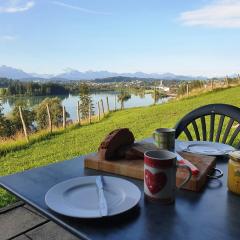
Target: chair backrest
(216, 132)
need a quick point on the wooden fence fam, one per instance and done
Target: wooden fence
(100, 114)
(208, 86)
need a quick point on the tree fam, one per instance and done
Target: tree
(123, 97)
(28, 116)
(3, 91)
(6, 126)
(182, 89)
(156, 95)
(1, 113)
(1, 121)
(85, 101)
(55, 108)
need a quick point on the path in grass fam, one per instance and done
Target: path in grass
(142, 121)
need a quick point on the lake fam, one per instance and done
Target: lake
(70, 101)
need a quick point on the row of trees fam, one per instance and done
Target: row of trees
(15, 87)
(4, 82)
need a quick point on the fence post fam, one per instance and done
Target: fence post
(222, 82)
(122, 104)
(155, 93)
(211, 84)
(64, 117)
(115, 102)
(23, 124)
(89, 114)
(226, 80)
(108, 108)
(78, 113)
(102, 107)
(187, 89)
(99, 113)
(49, 118)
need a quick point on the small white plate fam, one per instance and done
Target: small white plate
(78, 197)
(203, 147)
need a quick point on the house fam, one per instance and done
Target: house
(162, 87)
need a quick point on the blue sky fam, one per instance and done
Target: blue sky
(194, 37)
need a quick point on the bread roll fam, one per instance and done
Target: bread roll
(117, 139)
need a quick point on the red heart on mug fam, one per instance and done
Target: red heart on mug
(155, 182)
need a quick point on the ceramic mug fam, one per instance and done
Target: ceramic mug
(160, 169)
(164, 138)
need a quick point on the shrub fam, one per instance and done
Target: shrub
(123, 97)
(28, 116)
(56, 112)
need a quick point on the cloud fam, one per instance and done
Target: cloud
(7, 38)
(219, 14)
(14, 6)
(84, 10)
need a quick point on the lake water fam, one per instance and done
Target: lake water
(70, 101)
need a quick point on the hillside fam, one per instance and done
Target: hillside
(74, 142)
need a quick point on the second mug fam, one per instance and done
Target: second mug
(164, 138)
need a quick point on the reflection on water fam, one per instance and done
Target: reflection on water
(70, 101)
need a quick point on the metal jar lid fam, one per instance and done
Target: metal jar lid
(235, 155)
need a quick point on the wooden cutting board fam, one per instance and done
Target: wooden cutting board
(134, 167)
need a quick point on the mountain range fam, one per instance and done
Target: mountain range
(72, 74)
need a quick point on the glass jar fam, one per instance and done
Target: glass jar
(234, 172)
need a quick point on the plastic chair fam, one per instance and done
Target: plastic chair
(225, 111)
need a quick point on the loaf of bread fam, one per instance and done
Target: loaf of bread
(118, 139)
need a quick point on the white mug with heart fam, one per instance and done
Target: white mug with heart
(160, 169)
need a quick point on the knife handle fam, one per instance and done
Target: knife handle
(194, 169)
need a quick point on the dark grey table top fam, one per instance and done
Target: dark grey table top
(213, 213)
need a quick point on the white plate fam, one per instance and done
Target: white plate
(203, 147)
(78, 197)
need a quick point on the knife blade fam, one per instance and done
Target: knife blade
(102, 200)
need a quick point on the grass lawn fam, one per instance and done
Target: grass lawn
(77, 141)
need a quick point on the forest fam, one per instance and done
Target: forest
(15, 87)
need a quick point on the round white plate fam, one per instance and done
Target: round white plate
(78, 197)
(204, 147)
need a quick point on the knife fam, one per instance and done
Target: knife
(102, 200)
(182, 161)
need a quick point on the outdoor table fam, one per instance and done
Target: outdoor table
(213, 213)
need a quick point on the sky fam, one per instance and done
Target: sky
(190, 37)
